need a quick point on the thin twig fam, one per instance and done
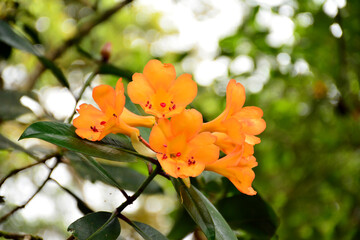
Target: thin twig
(87, 83)
(141, 189)
(83, 31)
(15, 171)
(17, 236)
(3, 218)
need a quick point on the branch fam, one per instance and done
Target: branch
(83, 30)
(141, 189)
(16, 236)
(15, 171)
(3, 218)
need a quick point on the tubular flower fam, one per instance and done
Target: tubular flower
(159, 92)
(238, 169)
(94, 124)
(238, 122)
(181, 150)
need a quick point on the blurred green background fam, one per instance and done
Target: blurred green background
(298, 60)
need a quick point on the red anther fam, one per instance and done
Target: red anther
(114, 115)
(163, 104)
(94, 129)
(178, 154)
(164, 156)
(103, 123)
(169, 108)
(178, 168)
(150, 106)
(174, 106)
(165, 145)
(189, 162)
(147, 102)
(171, 102)
(192, 157)
(163, 115)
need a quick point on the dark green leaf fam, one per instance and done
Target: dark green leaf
(195, 207)
(15, 40)
(148, 232)
(10, 37)
(62, 134)
(183, 225)
(55, 70)
(107, 68)
(5, 50)
(96, 226)
(2, 199)
(125, 177)
(249, 213)
(203, 212)
(10, 107)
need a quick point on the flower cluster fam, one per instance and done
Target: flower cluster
(184, 145)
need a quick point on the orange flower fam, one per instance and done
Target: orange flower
(181, 150)
(238, 169)
(238, 122)
(94, 124)
(159, 92)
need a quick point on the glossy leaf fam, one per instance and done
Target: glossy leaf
(10, 37)
(107, 68)
(251, 214)
(113, 147)
(124, 177)
(183, 225)
(96, 226)
(147, 232)
(203, 212)
(10, 107)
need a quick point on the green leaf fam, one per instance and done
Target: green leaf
(107, 68)
(126, 178)
(55, 70)
(203, 212)
(147, 232)
(115, 147)
(249, 213)
(10, 107)
(183, 225)
(10, 37)
(96, 226)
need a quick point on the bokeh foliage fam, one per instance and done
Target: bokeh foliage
(309, 158)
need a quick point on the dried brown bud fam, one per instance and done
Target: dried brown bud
(106, 52)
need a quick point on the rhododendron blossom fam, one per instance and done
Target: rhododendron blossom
(159, 92)
(181, 150)
(238, 122)
(183, 145)
(94, 124)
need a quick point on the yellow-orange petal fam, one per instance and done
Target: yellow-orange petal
(157, 140)
(251, 139)
(243, 180)
(135, 120)
(235, 96)
(188, 122)
(168, 164)
(119, 97)
(203, 148)
(185, 170)
(234, 130)
(184, 90)
(159, 75)
(140, 90)
(104, 96)
(224, 142)
(88, 134)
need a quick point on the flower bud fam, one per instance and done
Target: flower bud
(106, 52)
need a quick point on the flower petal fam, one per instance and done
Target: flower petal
(157, 139)
(235, 96)
(203, 148)
(243, 180)
(135, 120)
(184, 90)
(104, 96)
(119, 97)
(159, 75)
(188, 122)
(139, 90)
